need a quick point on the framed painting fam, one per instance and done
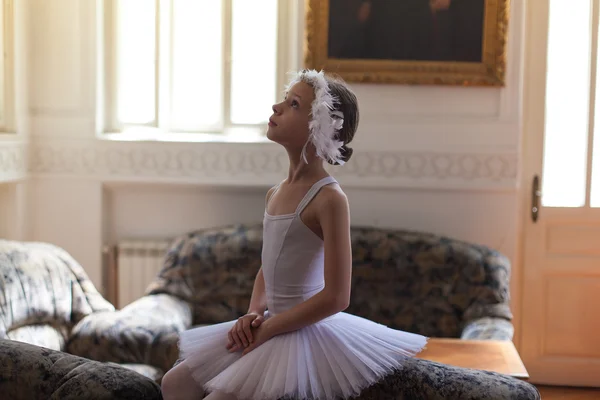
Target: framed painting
(443, 42)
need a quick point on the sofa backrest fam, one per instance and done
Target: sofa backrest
(413, 281)
(43, 292)
(214, 270)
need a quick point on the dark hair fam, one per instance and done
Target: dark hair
(347, 103)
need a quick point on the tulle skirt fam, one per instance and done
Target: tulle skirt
(335, 358)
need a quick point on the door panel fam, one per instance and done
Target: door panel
(561, 250)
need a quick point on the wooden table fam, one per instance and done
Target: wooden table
(488, 355)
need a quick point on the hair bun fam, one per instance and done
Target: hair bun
(346, 153)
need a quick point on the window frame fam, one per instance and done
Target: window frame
(288, 25)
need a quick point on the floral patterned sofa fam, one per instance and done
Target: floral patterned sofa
(413, 281)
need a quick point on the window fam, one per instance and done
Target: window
(199, 66)
(571, 166)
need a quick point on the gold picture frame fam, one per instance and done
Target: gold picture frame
(489, 70)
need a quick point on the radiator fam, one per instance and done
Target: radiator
(131, 265)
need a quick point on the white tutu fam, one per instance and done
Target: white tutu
(336, 357)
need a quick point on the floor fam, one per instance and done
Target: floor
(559, 393)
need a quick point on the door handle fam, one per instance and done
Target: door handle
(536, 194)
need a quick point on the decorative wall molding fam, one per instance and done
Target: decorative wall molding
(263, 164)
(13, 165)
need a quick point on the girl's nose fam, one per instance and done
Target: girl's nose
(276, 108)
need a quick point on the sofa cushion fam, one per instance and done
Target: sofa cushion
(40, 335)
(148, 371)
(144, 332)
(31, 372)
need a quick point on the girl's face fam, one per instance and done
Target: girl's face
(288, 125)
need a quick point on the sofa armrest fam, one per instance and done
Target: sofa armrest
(144, 332)
(427, 380)
(489, 317)
(33, 372)
(488, 328)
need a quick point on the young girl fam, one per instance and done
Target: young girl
(295, 340)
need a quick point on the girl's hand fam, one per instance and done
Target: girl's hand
(240, 335)
(261, 335)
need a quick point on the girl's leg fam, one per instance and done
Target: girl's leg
(178, 384)
(220, 396)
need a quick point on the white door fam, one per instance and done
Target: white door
(560, 324)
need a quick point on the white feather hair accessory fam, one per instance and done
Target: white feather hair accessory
(325, 121)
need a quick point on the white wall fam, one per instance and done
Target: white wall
(14, 213)
(439, 159)
(14, 146)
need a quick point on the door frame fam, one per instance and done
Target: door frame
(532, 139)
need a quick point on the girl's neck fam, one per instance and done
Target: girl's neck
(301, 171)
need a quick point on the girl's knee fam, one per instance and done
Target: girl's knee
(178, 384)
